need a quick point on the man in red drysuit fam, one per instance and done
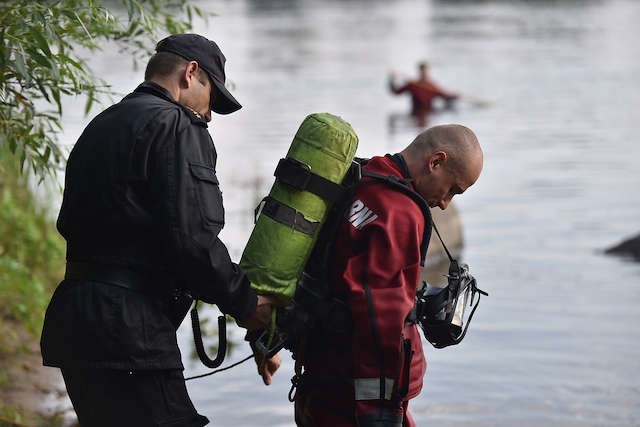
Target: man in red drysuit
(423, 91)
(366, 374)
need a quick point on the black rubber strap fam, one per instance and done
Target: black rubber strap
(298, 175)
(403, 186)
(288, 216)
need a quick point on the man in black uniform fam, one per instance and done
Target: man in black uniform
(141, 214)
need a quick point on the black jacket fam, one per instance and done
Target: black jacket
(141, 194)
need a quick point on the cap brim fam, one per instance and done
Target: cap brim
(223, 102)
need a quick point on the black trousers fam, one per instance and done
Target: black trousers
(113, 398)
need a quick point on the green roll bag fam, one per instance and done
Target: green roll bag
(290, 217)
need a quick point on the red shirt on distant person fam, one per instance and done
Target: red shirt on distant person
(423, 91)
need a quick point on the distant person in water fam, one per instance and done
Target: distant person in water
(423, 91)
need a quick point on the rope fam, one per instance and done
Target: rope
(233, 365)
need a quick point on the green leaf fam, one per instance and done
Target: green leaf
(20, 65)
(89, 103)
(68, 13)
(41, 42)
(70, 61)
(55, 92)
(40, 59)
(43, 90)
(23, 158)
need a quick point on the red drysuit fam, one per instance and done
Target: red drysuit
(376, 271)
(422, 95)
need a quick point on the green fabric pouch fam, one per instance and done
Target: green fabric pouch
(276, 253)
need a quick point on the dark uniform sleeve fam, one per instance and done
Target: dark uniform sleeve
(186, 192)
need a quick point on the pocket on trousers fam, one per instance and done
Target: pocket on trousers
(208, 194)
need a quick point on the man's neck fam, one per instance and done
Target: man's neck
(170, 85)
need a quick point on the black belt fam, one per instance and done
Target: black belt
(111, 275)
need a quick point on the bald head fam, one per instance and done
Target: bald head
(457, 141)
(451, 148)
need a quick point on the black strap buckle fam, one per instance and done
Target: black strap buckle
(293, 172)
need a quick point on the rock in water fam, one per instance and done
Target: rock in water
(628, 248)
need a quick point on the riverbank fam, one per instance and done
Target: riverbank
(32, 256)
(30, 394)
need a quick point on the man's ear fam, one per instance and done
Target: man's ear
(436, 160)
(189, 73)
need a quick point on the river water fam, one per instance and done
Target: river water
(557, 342)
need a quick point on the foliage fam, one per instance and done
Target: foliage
(31, 254)
(41, 48)
(31, 264)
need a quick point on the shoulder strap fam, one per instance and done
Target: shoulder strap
(318, 264)
(402, 185)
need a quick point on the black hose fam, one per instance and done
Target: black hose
(197, 339)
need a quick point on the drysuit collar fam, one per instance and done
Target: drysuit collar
(402, 164)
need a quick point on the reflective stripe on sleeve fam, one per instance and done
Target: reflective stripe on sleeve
(369, 388)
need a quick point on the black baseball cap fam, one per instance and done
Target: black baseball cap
(209, 57)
